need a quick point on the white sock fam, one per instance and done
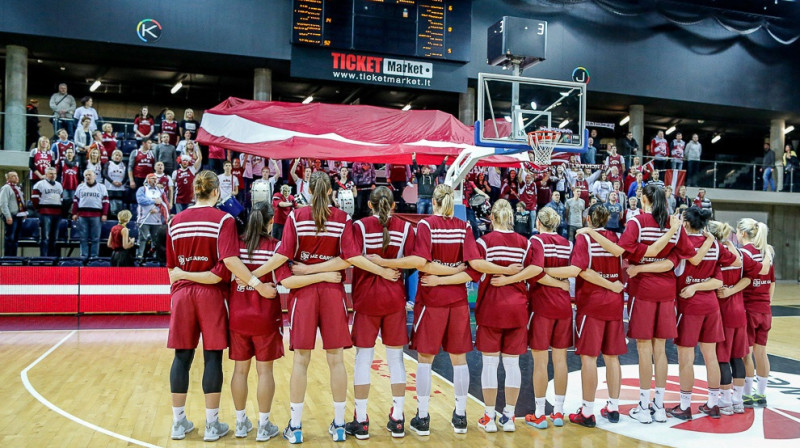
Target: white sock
(338, 412)
(212, 415)
(398, 403)
(461, 388)
(263, 418)
(659, 396)
(540, 402)
(762, 385)
(748, 385)
(296, 412)
(588, 408)
(726, 397)
(178, 413)
(644, 398)
(509, 411)
(738, 391)
(558, 407)
(423, 388)
(241, 415)
(361, 410)
(713, 397)
(613, 404)
(490, 411)
(686, 400)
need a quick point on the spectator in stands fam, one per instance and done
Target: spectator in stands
(681, 198)
(32, 123)
(398, 176)
(94, 163)
(190, 149)
(589, 157)
(659, 148)
(86, 110)
(676, 149)
(592, 201)
(266, 178)
(41, 159)
(655, 179)
(470, 190)
(228, 183)
(108, 138)
(615, 213)
(301, 185)
(622, 198)
(189, 124)
(238, 172)
(165, 153)
(493, 174)
(69, 176)
(602, 187)
(12, 206)
(561, 209)
(693, 151)
(639, 192)
(703, 201)
(672, 202)
(342, 181)
(543, 193)
(768, 166)
(150, 213)
(63, 106)
(790, 164)
(283, 203)
(114, 173)
(482, 183)
(632, 209)
(522, 220)
(90, 209)
(46, 198)
(580, 181)
(637, 185)
(170, 127)
(60, 146)
(251, 164)
(364, 177)
(510, 190)
(97, 143)
(527, 197)
(165, 183)
(426, 182)
(183, 179)
(141, 162)
(143, 125)
(575, 208)
(120, 242)
(83, 138)
(614, 159)
(181, 147)
(629, 145)
(614, 176)
(559, 182)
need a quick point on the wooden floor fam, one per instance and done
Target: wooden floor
(109, 388)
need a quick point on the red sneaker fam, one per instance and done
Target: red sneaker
(582, 420)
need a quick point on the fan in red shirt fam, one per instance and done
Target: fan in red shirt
(757, 298)
(109, 141)
(598, 323)
(183, 179)
(313, 238)
(510, 188)
(143, 125)
(653, 249)
(283, 203)
(170, 127)
(614, 159)
(198, 240)
(141, 163)
(61, 145)
(379, 300)
(40, 160)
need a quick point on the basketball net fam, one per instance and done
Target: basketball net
(542, 143)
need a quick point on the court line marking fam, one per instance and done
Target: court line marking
(26, 382)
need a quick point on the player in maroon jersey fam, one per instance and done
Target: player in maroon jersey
(653, 243)
(198, 240)
(757, 298)
(379, 301)
(699, 319)
(598, 324)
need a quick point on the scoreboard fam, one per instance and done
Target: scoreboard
(436, 29)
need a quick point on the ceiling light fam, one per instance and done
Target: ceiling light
(39, 61)
(308, 99)
(176, 87)
(788, 130)
(625, 120)
(563, 123)
(671, 130)
(407, 107)
(533, 105)
(95, 85)
(63, 68)
(716, 138)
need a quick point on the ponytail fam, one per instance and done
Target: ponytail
(503, 215)
(382, 202)
(320, 185)
(756, 233)
(548, 218)
(697, 217)
(658, 204)
(443, 200)
(760, 239)
(720, 230)
(257, 226)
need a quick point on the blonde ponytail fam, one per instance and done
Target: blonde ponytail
(549, 218)
(382, 202)
(443, 202)
(755, 232)
(502, 215)
(320, 186)
(720, 230)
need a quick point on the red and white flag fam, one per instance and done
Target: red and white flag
(675, 178)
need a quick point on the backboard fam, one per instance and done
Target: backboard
(511, 106)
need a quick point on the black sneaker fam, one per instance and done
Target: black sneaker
(679, 413)
(612, 416)
(357, 428)
(396, 427)
(421, 426)
(459, 423)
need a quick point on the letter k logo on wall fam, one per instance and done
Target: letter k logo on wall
(148, 31)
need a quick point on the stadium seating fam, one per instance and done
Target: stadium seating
(42, 261)
(71, 261)
(12, 261)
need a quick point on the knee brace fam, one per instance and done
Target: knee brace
(725, 373)
(513, 374)
(489, 372)
(397, 368)
(179, 373)
(737, 365)
(212, 373)
(362, 365)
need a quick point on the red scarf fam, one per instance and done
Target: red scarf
(18, 195)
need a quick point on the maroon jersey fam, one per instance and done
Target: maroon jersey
(69, 174)
(183, 178)
(281, 213)
(616, 161)
(198, 239)
(703, 302)
(510, 191)
(592, 300)
(62, 147)
(450, 242)
(543, 194)
(238, 173)
(41, 162)
(109, 142)
(756, 296)
(732, 308)
(373, 294)
(527, 194)
(549, 250)
(143, 163)
(170, 128)
(640, 232)
(504, 306)
(584, 185)
(301, 241)
(164, 181)
(144, 124)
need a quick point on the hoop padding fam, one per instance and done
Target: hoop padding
(542, 143)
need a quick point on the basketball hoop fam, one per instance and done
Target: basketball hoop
(542, 143)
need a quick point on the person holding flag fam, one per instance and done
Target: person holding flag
(152, 212)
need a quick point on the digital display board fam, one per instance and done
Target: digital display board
(437, 29)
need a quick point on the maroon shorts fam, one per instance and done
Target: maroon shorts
(265, 347)
(544, 333)
(441, 327)
(322, 306)
(651, 320)
(196, 310)
(694, 328)
(509, 341)
(392, 328)
(758, 326)
(595, 336)
(734, 346)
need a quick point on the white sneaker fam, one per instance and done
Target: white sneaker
(508, 424)
(242, 428)
(181, 428)
(726, 410)
(266, 431)
(640, 414)
(659, 414)
(487, 424)
(215, 430)
(337, 432)
(738, 408)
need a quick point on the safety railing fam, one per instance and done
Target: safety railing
(127, 126)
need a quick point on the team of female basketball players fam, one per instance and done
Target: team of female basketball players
(686, 281)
